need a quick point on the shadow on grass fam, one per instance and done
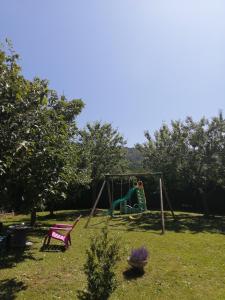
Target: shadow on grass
(52, 248)
(194, 223)
(64, 216)
(184, 222)
(47, 219)
(133, 273)
(9, 288)
(14, 256)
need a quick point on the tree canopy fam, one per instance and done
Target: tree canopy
(105, 151)
(190, 154)
(37, 155)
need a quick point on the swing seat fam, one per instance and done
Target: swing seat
(136, 218)
(134, 209)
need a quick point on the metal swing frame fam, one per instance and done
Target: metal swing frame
(162, 189)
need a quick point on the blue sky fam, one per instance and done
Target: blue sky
(135, 63)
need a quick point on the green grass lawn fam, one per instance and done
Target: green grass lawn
(188, 262)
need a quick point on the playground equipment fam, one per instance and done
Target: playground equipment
(138, 207)
(140, 195)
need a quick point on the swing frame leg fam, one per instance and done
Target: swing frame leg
(95, 204)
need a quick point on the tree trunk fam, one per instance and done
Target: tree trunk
(51, 209)
(203, 196)
(51, 212)
(205, 205)
(33, 217)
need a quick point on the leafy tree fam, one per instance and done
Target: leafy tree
(190, 154)
(135, 160)
(37, 155)
(105, 153)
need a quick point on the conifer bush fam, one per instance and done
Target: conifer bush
(102, 257)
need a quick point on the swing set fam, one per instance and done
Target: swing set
(137, 190)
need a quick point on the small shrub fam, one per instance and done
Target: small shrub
(99, 267)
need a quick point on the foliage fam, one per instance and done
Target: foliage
(37, 156)
(104, 148)
(99, 267)
(190, 154)
(135, 159)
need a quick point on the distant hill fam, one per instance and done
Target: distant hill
(135, 159)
